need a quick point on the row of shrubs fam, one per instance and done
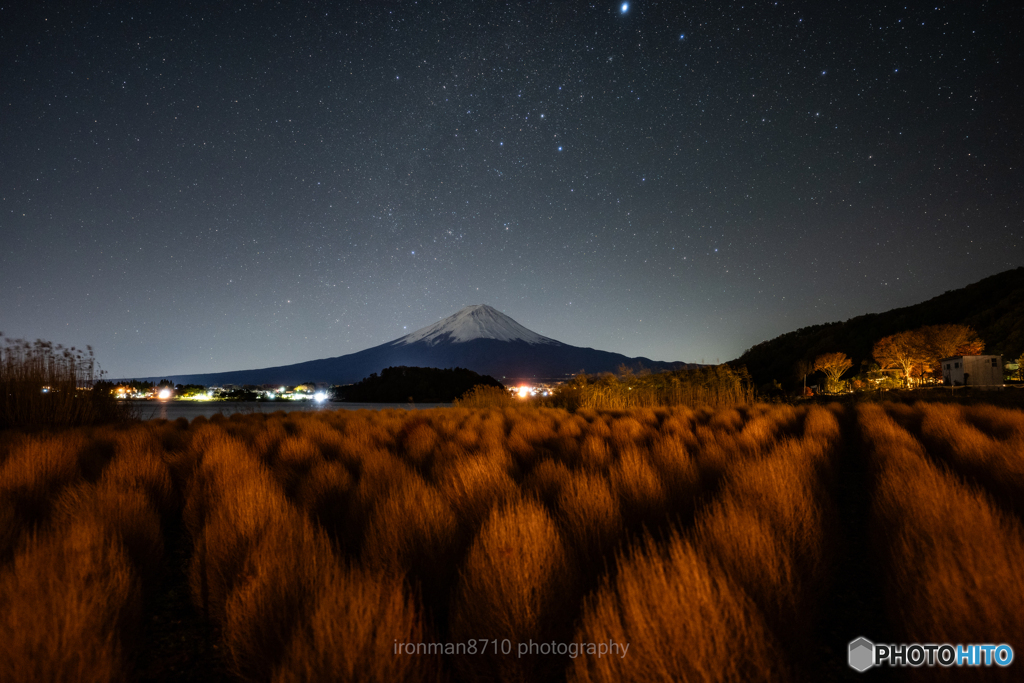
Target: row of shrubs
(706, 539)
(81, 548)
(507, 525)
(945, 524)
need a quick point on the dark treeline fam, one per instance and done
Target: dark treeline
(421, 385)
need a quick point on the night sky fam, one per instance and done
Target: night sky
(194, 188)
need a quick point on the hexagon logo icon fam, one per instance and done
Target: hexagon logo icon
(862, 654)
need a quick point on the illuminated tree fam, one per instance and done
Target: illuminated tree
(945, 341)
(901, 351)
(833, 365)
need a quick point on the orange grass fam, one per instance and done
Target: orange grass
(68, 602)
(683, 618)
(81, 552)
(516, 583)
(473, 486)
(324, 494)
(138, 465)
(703, 537)
(1001, 423)
(768, 528)
(292, 460)
(642, 497)
(670, 457)
(269, 578)
(997, 464)
(125, 514)
(413, 530)
(530, 434)
(952, 559)
(277, 590)
(37, 468)
(231, 502)
(352, 632)
(591, 519)
(546, 481)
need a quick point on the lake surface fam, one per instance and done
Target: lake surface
(172, 410)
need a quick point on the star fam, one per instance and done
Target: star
(625, 7)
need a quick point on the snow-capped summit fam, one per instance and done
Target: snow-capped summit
(474, 322)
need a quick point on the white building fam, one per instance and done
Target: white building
(973, 371)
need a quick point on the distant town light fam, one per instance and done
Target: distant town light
(164, 393)
(320, 396)
(524, 391)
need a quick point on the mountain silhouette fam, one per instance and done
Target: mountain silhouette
(479, 338)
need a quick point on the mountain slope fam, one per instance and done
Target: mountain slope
(994, 307)
(478, 338)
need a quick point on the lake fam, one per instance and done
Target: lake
(172, 410)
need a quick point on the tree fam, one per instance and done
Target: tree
(802, 368)
(833, 365)
(901, 351)
(945, 341)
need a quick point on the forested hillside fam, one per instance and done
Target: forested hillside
(994, 307)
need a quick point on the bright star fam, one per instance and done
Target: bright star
(625, 7)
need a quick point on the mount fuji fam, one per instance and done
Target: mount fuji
(478, 338)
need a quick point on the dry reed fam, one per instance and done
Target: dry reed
(996, 464)
(636, 483)
(591, 519)
(683, 619)
(279, 583)
(82, 552)
(68, 602)
(516, 584)
(413, 530)
(498, 521)
(36, 470)
(351, 635)
(952, 559)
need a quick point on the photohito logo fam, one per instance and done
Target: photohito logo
(863, 654)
